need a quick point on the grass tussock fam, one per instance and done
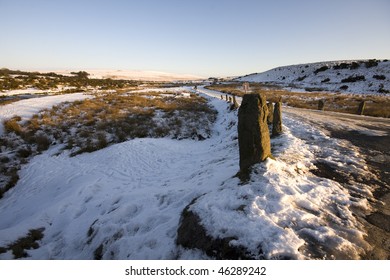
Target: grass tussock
(12, 125)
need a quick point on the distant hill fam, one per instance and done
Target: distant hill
(137, 75)
(359, 76)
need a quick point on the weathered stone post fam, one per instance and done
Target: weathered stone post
(253, 134)
(230, 99)
(277, 121)
(361, 108)
(226, 97)
(235, 104)
(321, 105)
(270, 116)
(221, 97)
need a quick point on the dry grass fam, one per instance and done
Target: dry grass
(27, 242)
(12, 125)
(12, 174)
(133, 114)
(377, 106)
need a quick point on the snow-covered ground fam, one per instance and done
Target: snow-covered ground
(304, 76)
(22, 91)
(28, 107)
(125, 201)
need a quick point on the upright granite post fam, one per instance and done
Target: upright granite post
(321, 105)
(277, 122)
(235, 104)
(253, 134)
(361, 108)
(270, 117)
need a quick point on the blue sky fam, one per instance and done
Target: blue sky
(202, 37)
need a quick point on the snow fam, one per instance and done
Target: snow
(22, 91)
(129, 197)
(139, 197)
(32, 91)
(291, 77)
(28, 107)
(284, 203)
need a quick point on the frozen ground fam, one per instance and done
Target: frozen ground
(27, 108)
(125, 201)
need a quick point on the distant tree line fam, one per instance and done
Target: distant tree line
(16, 79)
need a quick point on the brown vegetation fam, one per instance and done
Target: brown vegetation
(376, 106)
(28, 242)
(93, 124)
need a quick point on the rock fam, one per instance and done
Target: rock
(277, 121)
(361, 108)
(253, 134)
(321, 105)
(192, 235)
(270, 116)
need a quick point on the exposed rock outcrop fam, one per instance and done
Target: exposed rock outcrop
(192, 235)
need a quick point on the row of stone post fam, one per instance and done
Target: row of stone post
(231, 100)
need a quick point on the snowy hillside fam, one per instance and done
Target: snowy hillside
(365, 77)
(125, 201)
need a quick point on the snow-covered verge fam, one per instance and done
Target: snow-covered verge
(27, 108)
(360, 77)
(125, 201)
